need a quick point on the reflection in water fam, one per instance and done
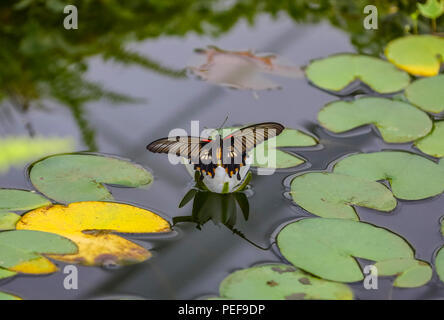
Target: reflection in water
(217, 207)
(40, 61)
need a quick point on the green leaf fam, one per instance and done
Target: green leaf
(397, 121)
(433, 144)
(332, 195)
(410, 273)
(20, 251)
(80, 177)
(338, 73)
(427, 94)
(432, 9)
(7, 296)
(411, 177)
(327, 248)
(188, 197)
(420, 55)
(279, 282)
(21, 200)
(243, 203)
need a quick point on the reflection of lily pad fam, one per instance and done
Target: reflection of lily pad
(420, 55)
(433, 144)
(332, 195)
(242, 69)
(328, 247)
(411, 177)
(89, 225)
(338, 72)
(279, 282)
(80, 177)
(397, 121)
(20, 251)
(7, 296)
(427, 94)
(410, 273)
(19, 150)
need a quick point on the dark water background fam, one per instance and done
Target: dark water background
(191, 263)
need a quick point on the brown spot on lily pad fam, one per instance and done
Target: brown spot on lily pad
(305, 281)
(280, 270)
(272, 283)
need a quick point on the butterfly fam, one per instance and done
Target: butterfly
(229, 153)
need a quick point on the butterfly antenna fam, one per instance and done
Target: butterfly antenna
(223, 123)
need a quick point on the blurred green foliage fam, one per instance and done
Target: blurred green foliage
(41, 60)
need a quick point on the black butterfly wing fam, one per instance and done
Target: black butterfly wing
(247, 138)
(185, 146)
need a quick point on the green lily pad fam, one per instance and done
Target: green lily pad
(432, 9)
(427, 94)
(332, 195)
(20, 251)
(433, 144)
(410, 273)
(280, 282)
(411, 177)
(5, 273)
(420, 55)
(439, 262)
(327, 248)
(339, 72)
(7, 296)
(8, 220)
(20, 200)
(397, 121)
(17, 200)
(80, 177)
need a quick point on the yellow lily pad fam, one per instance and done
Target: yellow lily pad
(90, 225)
(420, 55)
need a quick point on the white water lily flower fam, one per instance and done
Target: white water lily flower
(221, 177)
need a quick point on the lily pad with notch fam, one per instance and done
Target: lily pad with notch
(328, 248)
(344, 74)
(91, 224)
(70, 178)
(397, 121)
(411, 176)
(332, 195)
